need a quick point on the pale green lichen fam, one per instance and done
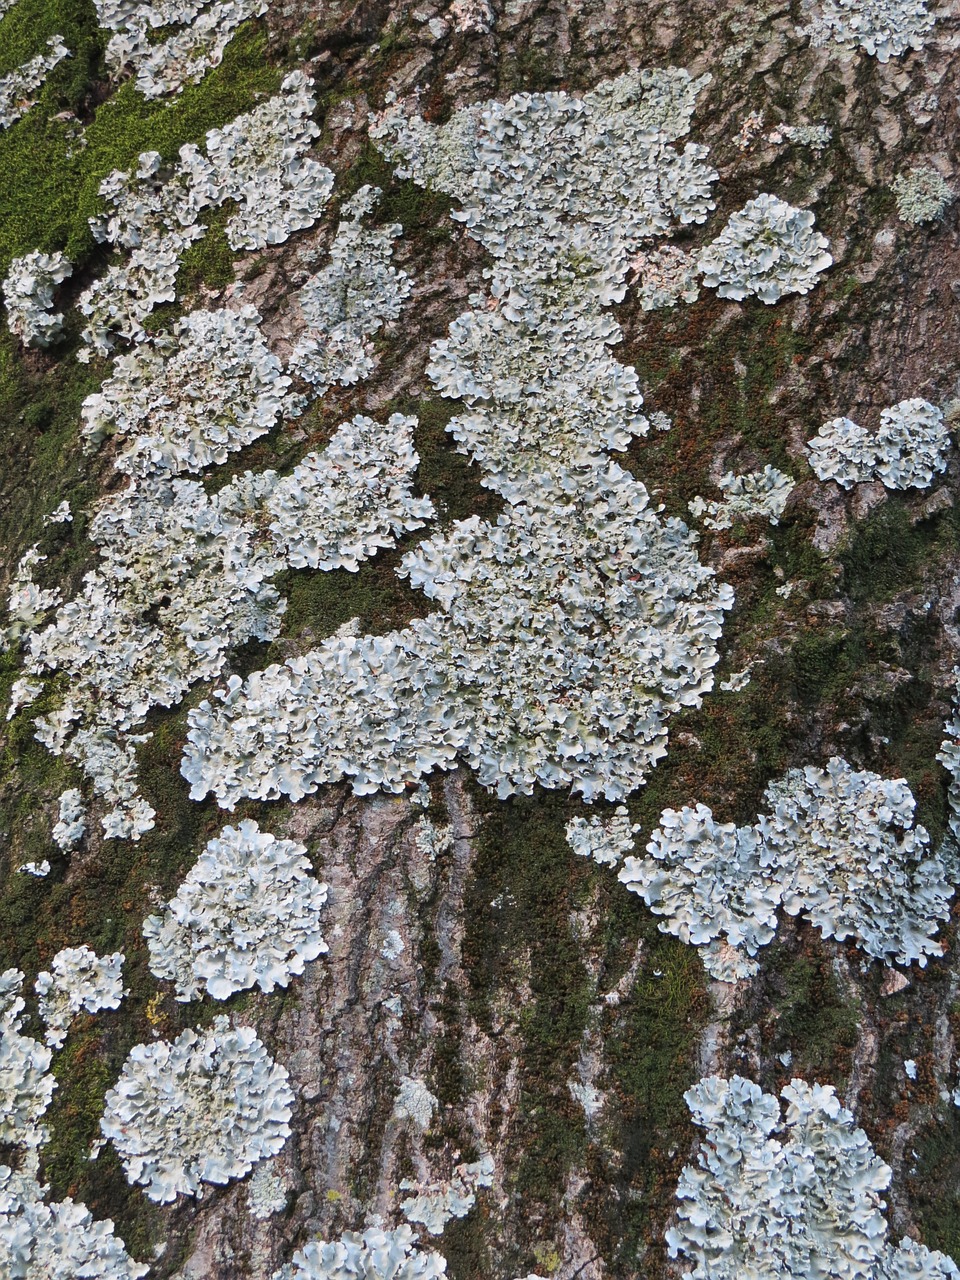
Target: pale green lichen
(922, 195)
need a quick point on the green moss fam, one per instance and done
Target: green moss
(935, 1198)
(813, 1020)
(889, 549)
(652, 1057)
(25, 30)
(451, 480)
(449, 1080)
(49, 184)
(466, 1244)
(822, 663)
(421, 211)
(209, 261)
(319, 602)
(531, 70)
(524, 865)
(84, 1073)
(735, 369)
(521, 936)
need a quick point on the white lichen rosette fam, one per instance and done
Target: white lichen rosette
(767, 250)
(203, 1108)
(28, 296)
(709, 880)
(339, 507)
(922, 195)
(374, 1254)
(78, 980)
(758, 493)
(56, 1241)
(910, 447)
(843, 845)
(26, 1085)
(247, 915)
(186, 401)
(794, 1197)
(607, 841)
(260, 161)
(884, 29)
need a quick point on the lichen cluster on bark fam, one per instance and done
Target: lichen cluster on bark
(494, 1029)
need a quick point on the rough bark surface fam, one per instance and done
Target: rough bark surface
(523, 970)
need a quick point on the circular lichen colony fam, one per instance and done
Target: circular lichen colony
(247, 915)
(767, 250)
(28, 296)
(204, 1108)
(374, 1254)
(881, 28)
(910, 447)
(188, 400)
(26, 1085)
(77, 980)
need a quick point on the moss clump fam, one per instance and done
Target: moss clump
(652, 1056)
(421, 211)
(889, 549)
(813, 1021)
(208, 262)
(451, 480)
(24, 32)
(935, 1198)
(524, 959)
(319, 602)
(49, 183)
(722, 388)
(40, 458)
(518, 930)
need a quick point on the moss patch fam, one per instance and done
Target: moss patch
(49, 183)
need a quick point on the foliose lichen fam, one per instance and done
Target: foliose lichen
(26, 1085)
(40, 1240)
(202, 1108)
(607, 842)
(163, 66)
(767, 250)
(910, 447)
(78, 980)
(28, 296)
(883, 29)
(796, 1196)
(758, 493)
(246, 915)
(19, 88)
(500, 676)
(837, 845)
(922, 195)
(374, 1254)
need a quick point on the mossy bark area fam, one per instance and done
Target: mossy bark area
(524, 970)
